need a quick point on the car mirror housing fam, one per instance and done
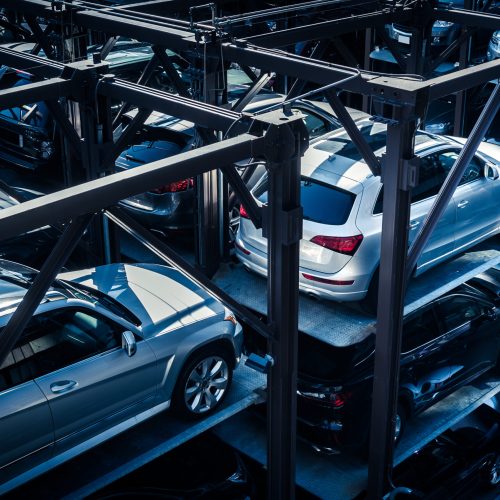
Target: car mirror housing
(491, 171)
(128, 343)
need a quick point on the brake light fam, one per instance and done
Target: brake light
(341, 244)
(335, 399)
(243, 212)
(174, 187)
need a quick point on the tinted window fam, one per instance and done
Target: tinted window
(419, 329)
(314, 124)
(457, 310)
(322, 203)
(375, 135)
(55, 340)
(431, 177)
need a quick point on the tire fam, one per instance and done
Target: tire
(400, 426)
(203, 383)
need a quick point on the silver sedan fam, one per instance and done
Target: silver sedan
(107, 348)
(342, 201)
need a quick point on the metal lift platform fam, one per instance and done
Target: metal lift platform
(341, 324)
(123, 454)
(343, 477)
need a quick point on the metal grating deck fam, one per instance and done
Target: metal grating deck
(138, 446)
(341, 324)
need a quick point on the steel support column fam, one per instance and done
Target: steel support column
(396, 209)
(283, 228)
(42, 282)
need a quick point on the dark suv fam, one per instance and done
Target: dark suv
(446, 344)
(27, 132)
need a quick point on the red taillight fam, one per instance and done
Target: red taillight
(337, 400)
(325, 280)
(341, 244)
(174, 187)
(241, 249)
(243, 212)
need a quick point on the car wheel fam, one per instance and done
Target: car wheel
(203, 383)
(400, 424)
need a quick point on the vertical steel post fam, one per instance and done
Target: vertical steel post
(463, 62)
(396, 209)
(283, 228)
(367, 65)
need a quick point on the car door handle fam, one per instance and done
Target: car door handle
(462, 204)
(62, 386)
(414, 224)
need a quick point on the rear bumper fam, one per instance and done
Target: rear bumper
(256, 261)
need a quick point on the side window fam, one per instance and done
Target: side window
(474, 171)
(55, 340)
(315, 125)
(419, 329)
(431, 177)
(457, 310)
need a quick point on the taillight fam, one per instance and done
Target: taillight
(341, 244)
(335, 399)
(174, 187)
(243, 212)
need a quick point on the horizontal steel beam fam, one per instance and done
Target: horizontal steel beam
(463, 79)
(106, 191)
(197, 112)
(326, 29)
(478, 19)
(34, 92)
(39, 66)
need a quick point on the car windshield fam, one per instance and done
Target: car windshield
(322, 203)
(86, 293)
(375, 134)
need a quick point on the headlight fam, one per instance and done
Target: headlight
(436, 128)
(496, 37)
(442, 24)
(46, 149)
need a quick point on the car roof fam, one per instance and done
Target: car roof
(335, 153)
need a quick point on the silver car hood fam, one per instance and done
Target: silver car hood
(161, 297)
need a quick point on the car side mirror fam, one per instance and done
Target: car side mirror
(128, 343)
(491, 171)
(491, 314)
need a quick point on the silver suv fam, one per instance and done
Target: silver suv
(342, 201)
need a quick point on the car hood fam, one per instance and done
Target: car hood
(161, 297)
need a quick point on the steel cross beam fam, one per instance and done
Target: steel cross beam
(205, 115)
(465, 17)
(42, 282)
(106, 191)
(453, 179)
(36, 65)
(34, 92)
(353, 131)
(162, 250)
(325, 29)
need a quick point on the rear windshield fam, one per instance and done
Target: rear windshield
(375, 135)
(322, 203)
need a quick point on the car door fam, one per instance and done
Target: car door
(26, 429)
(442, 240)
(424, 370)
(90, 382)
(470, 335)
(476, 198)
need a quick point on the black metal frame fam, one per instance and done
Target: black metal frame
(405, 98)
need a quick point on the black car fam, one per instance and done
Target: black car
(461, 463)
(446, 344)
